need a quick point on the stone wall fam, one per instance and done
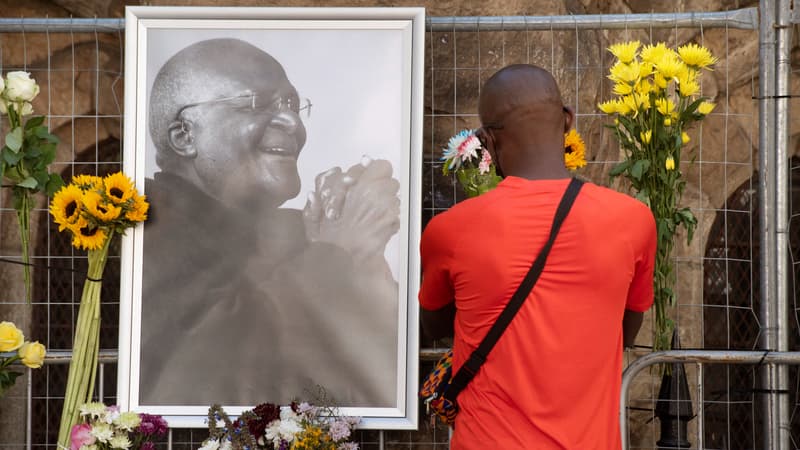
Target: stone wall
(726, 159)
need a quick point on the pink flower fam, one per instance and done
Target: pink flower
(81, 435)
(486, 161)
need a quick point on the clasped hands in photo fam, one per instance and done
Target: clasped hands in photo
(357, 210)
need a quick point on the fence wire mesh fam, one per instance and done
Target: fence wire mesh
(81, 76)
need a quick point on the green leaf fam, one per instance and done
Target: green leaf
(44, 133)
(644, 197)
(619, 168)
(11, 157)
(48, 153)
(14, 139)
(29, 183)
(639, 168)
(54, 183)
(34, 122)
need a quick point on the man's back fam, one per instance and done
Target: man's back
(553, 379)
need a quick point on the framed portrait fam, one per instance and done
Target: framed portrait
(280, 151)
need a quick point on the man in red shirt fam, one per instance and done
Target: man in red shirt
(553, 379)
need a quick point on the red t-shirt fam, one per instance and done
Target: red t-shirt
(553, 379)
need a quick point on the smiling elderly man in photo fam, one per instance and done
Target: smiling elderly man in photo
(243, 301)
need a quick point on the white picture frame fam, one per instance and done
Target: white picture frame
(362, 68)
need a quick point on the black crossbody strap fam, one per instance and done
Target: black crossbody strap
(470, 368)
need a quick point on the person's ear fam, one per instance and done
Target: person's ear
(180, 138)
(569, 118)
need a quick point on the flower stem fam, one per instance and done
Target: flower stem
(25, 204)
(83, 367)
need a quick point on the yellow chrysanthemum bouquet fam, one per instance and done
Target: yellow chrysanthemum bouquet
(657, 91)
(92, 209)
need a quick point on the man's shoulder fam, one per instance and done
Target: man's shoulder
(610, 198)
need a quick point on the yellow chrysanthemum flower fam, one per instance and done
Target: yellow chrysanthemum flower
(688, 87)
(705, 108)
(118, 188)
(667, 122)
(696, 56)
(138, 209)
(653, 53)
(625, 73)
(630, 104)
(644, 87)
(670, 66)
(89, 238)
(669, 164)
(625, 51)
(665, 106)
(660, 82)
(66, 206)
(100, 209)
(87, 182)
(609, 106)
(646, 136)
(643, 101)
(574, 150)
(622, 89)
(685, 138)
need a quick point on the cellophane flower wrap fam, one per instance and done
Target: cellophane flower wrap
(28, 150)
(657, 99)
(92, 210)
(299, 426)
(17, 350)
(475, 171)
(104, 427)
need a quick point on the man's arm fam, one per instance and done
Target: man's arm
(631, 322)
(438, 324)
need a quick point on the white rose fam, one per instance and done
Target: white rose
(26, 110)
(20, 87)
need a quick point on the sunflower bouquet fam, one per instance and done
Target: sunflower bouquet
(657, 100)
(477, 174)
(92, 209)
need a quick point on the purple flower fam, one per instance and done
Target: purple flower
(339, 430)
(148, 446)
(152, 425)
(284, 445)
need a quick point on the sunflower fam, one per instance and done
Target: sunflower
(138, 210)
(66, 206)
(100, 209)
(118, 187)
(87, 182)
(696, 56)
(89, 238)
(574, 150)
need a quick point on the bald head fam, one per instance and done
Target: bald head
(520, 90)
(205, 71)
(521, 110)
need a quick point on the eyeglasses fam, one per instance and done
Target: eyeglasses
(273, 106)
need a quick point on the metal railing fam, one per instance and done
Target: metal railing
(699, 357)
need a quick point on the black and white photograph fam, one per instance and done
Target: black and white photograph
(279, 157)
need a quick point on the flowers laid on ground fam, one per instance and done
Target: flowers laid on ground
(473, 165)
(31, 354)
(92, 209)
(657, 98)
(29, 148)
(299, 426)
(106, 427)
